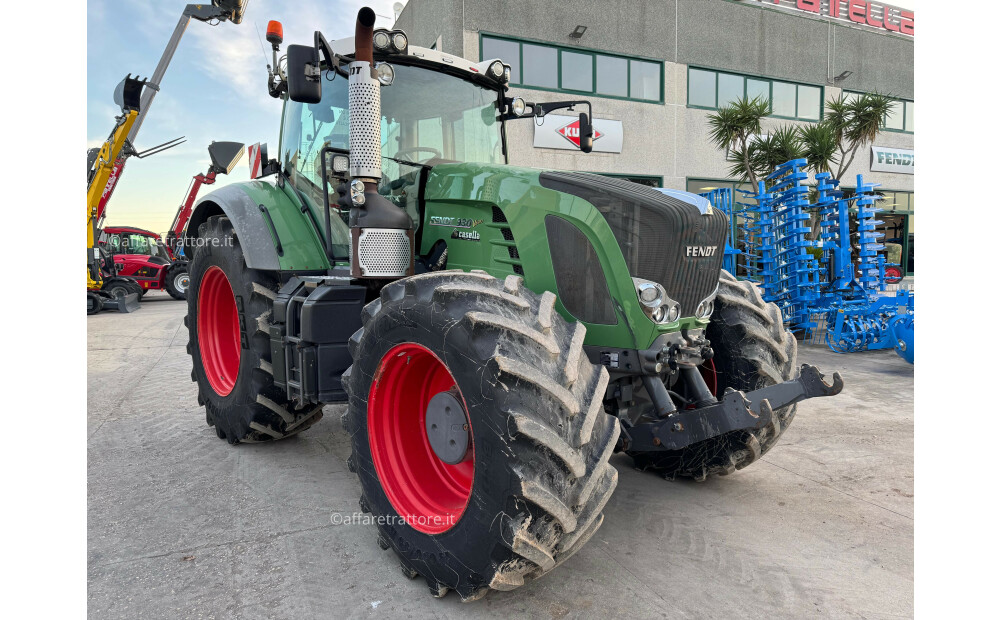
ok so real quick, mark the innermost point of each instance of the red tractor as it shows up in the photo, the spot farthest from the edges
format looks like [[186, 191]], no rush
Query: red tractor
[[141, 255]]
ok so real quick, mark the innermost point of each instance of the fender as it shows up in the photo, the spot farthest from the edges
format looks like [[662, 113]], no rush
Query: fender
[[273, 231]]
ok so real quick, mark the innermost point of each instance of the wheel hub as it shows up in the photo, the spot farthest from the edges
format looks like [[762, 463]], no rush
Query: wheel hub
[[447, 430], [181, 282]]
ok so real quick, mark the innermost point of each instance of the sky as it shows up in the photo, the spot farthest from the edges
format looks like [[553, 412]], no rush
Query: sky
[[214, 89]]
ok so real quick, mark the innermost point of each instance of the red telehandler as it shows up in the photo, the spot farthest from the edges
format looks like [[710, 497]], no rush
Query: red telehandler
[[224, 157], [140, 255]]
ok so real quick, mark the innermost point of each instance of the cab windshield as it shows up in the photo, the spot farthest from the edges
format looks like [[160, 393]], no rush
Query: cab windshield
[[427, 118]]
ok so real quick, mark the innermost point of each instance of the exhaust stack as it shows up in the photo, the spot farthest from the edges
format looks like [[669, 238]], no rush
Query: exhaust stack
[[381, 232]]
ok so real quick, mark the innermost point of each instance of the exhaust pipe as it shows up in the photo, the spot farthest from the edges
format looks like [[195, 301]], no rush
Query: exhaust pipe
[[381, 232]]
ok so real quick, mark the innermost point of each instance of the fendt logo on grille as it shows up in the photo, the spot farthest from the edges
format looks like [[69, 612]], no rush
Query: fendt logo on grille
[[701, 250]]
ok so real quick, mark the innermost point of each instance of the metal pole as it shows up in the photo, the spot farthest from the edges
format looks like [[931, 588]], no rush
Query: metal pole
[[161, 68]]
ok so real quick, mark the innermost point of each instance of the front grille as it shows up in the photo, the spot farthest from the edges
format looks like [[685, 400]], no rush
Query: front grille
[[654, 232]]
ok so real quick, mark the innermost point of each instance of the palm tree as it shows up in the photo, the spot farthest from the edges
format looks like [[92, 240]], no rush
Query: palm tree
[[854, 123], [734, 128], [819, 146], [772, 150]]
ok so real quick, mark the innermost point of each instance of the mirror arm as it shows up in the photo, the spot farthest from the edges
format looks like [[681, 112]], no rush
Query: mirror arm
[[539, 110], [333, 61]]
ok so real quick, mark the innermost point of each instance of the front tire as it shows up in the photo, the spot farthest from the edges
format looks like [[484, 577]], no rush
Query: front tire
[[177, 280], [229, 309], [752, 350], [535, 477]]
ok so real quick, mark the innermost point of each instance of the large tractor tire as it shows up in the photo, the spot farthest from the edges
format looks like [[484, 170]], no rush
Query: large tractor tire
[[177, 280], [462, 368], [229, 308], [752, 350]]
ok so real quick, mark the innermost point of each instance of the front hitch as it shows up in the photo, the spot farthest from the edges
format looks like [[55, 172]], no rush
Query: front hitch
[[736, 411]]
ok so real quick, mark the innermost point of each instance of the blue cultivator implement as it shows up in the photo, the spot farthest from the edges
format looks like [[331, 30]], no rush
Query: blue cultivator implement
[[722, 199], [849, 291]]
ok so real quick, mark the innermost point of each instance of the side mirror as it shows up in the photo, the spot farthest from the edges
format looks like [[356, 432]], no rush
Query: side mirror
[[586, 133], [304, 85]]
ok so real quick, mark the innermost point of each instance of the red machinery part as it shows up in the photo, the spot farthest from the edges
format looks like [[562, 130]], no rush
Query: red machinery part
[[430, 494], [218, 331]]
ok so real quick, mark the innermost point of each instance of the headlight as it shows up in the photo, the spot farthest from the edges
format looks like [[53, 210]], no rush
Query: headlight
[[382, 40], [385, 73], [650, 294], [657, 305], [506, 74], [357, 192], [705, 309], [674, 313], [517, 106], [399, 41], [707, 305], [341, 163], [496, 69]]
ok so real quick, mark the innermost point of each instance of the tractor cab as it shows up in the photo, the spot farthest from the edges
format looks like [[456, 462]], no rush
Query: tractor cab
[[435, 109]]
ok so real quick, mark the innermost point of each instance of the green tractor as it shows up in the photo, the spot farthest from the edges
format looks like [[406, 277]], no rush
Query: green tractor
[[496, 332]]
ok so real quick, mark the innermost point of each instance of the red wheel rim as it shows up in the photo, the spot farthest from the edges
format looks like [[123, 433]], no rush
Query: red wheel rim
[[218, 331], [893, 275], [428, 493], [707, 370]]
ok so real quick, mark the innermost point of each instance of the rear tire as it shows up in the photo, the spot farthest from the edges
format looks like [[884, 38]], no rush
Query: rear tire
[[752, 350], [233, 368], [536, 475], [94, 303], [177, 280]]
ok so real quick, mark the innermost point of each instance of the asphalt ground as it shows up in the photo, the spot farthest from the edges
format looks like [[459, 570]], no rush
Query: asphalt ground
[[183, 525]]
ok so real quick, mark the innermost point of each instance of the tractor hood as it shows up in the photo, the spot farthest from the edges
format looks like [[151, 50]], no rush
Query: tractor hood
[[663, 238], [583, 236]]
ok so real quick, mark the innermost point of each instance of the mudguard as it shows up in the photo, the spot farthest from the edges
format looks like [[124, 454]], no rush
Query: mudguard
[[273, 231]]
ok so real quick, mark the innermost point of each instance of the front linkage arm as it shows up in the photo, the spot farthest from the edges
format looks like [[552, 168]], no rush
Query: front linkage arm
[[736, 411]]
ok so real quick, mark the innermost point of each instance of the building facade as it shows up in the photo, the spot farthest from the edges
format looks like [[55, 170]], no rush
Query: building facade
[[655, 69]]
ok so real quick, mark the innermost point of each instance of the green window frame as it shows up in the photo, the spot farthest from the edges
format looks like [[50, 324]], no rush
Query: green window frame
[[907, 109], [631, 61], [758, 80]]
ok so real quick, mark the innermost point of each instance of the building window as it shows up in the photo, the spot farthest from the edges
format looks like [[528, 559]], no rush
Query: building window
[[717, 89], [554, 67], [899, 118], [641, 179]]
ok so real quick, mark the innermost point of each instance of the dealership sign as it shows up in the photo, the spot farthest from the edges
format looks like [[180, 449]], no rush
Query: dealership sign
[[557, 131], [892, 160], [856, 12]]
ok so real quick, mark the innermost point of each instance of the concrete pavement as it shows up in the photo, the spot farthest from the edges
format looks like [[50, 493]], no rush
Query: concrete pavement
[[182, 525]]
